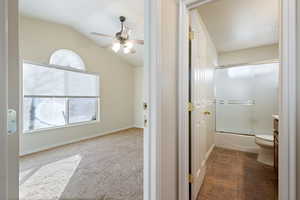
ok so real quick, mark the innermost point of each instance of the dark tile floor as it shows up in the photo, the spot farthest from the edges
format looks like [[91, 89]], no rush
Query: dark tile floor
[[234, 175]]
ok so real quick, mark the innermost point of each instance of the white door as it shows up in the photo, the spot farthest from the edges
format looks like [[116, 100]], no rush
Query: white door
[[3, 104], [202, 99]]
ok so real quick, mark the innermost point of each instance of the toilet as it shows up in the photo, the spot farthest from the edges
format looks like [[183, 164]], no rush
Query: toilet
[[266, 152]]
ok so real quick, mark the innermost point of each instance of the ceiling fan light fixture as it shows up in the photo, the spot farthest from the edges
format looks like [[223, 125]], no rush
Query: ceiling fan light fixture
[[129, 45], [116, 46], [121, 39], [126, 50]]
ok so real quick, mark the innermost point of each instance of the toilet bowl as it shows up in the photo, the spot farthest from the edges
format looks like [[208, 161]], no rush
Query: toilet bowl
[[266, 152]]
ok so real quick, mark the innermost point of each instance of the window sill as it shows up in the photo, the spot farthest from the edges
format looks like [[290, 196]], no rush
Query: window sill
[[61, 127]]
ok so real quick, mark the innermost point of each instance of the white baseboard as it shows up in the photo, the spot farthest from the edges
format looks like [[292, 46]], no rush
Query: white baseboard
[[209, 152], [200, 175], [138, 126], [74, 141]]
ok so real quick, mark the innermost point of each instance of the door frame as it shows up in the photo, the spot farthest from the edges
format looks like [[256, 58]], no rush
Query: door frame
[[287, 110], [152, 133], [3, 100]]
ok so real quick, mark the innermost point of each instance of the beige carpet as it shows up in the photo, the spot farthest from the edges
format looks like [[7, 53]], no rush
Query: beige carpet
[[105, 168]]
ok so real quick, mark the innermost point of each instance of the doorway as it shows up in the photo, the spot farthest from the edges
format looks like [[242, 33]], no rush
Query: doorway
[[183, 60], [15, 99]]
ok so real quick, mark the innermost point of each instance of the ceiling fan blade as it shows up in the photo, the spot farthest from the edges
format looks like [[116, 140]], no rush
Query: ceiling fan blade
[[137, 41], [102, 35]]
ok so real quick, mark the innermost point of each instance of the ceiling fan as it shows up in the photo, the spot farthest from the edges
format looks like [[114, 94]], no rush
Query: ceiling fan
[[121, 40]]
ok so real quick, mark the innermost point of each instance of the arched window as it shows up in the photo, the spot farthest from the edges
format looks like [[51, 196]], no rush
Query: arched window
[[67, 58]]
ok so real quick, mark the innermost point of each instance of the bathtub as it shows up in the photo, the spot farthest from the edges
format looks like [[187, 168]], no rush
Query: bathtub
[[238, 142]]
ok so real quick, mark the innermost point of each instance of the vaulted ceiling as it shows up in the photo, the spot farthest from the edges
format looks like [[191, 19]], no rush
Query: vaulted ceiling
[[93, 16], [232, 24], [241, 24]]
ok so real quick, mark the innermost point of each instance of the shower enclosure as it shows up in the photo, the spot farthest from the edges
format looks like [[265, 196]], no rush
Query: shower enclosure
[[246, 98]]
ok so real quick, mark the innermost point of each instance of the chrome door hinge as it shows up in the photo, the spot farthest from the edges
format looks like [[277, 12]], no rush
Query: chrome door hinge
[[191, 107], [191, 35], [191, 179]]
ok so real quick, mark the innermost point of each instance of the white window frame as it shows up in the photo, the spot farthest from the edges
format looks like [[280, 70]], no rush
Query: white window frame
[[72, 52], [63, 97], [287, 114]]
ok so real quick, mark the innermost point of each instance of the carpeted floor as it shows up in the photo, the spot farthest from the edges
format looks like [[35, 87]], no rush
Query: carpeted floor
[[235, 175], [104, 168]]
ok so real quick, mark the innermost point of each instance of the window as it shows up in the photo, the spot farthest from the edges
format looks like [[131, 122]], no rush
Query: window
[[67, 58], [55, 97]]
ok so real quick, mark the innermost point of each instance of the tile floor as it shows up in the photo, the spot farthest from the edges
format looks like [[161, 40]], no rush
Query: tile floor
[[234, 175]]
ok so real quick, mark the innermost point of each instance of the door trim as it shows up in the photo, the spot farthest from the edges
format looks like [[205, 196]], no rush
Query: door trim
[[3, 99], [152, 134], [288, 99], [287, 146]]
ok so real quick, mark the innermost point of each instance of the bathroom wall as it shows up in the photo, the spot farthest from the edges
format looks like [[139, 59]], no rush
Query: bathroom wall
[[258, 54]]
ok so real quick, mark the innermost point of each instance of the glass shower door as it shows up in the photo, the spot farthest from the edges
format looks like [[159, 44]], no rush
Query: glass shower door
[[235, 100], [246, 98]]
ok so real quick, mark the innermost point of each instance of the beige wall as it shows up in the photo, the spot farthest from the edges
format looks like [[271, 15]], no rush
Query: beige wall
[[257, 54], [38, 39], [138, 97]]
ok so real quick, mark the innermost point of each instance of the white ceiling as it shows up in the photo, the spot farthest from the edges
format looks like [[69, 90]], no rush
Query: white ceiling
[[93, 16], [241, 24]]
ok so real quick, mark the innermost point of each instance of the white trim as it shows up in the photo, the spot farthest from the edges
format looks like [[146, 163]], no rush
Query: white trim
[[3, 100], [138, 126], [64, 68], [183, 88], [287, 114], [287, 146], [47, 147], [207, 155], [60, 97], [153, 133], [43, 130]]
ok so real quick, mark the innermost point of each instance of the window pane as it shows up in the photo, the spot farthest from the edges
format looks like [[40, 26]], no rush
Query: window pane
[[44, 113], [67, 58], [82, 110], [48, 81]]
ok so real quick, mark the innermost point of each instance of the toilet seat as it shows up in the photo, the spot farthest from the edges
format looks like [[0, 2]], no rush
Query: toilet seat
[[265, 140]]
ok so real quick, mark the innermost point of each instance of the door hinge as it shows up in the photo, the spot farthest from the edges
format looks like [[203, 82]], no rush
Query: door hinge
[[191, 35], [145, 123], [191, 179], [145, 106], [191, 107]]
